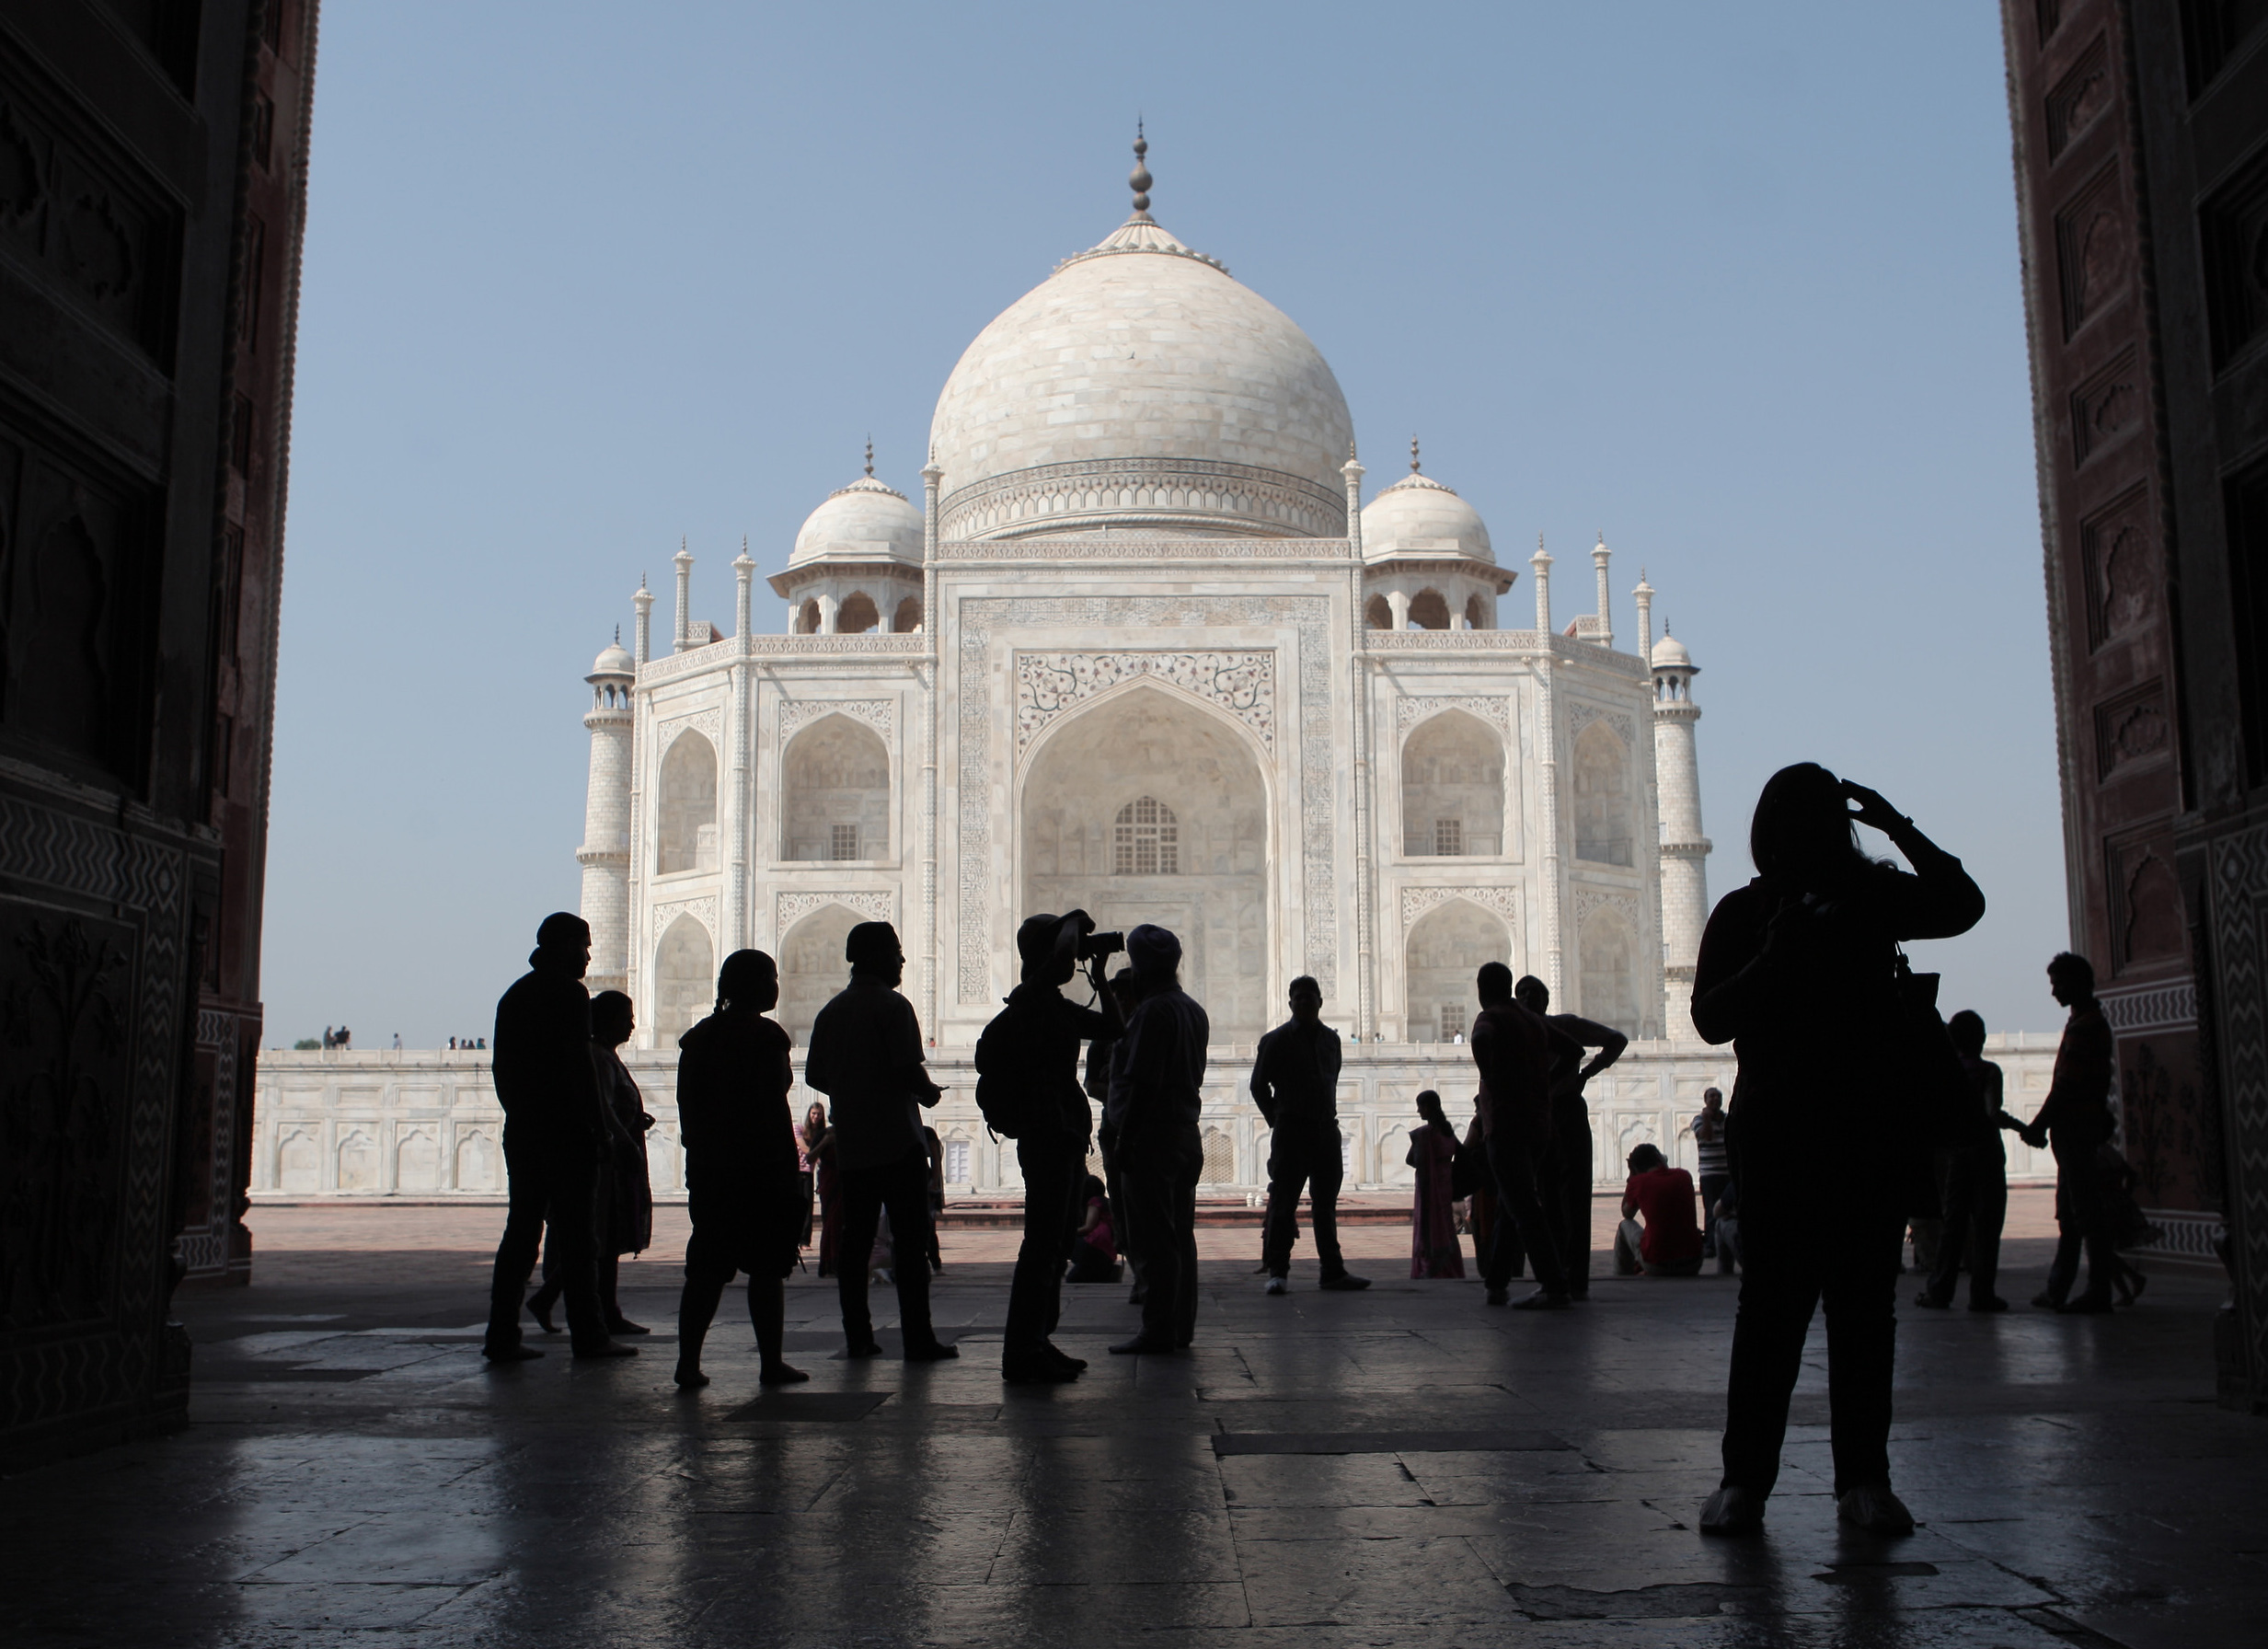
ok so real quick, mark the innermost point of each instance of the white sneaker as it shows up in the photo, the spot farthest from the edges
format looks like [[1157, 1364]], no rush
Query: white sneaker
[[1872, 1507], [1277, 1285]]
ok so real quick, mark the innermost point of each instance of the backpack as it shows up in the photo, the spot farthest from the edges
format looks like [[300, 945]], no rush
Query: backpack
[[1001, 1090]]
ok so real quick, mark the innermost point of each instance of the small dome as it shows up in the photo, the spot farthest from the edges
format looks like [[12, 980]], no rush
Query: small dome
[[863, 522], [1419, 517], [1669, 653], [615, 660]]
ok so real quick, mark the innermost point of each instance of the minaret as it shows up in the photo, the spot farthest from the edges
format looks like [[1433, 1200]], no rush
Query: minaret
[[643, 600], [606, 852], [1541, 562], [683, 558], [1605, 636], [1643, 596], [1685, 850]]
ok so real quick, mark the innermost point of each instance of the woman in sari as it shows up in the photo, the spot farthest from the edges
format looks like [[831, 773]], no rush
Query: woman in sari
[[1434, 1251]]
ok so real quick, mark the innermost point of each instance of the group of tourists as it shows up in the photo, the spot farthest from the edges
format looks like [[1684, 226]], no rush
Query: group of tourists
[[1842, 1060]]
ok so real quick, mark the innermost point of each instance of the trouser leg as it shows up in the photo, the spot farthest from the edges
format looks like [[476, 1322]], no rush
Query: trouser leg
[[573, 1215], [1779, 1288], [906, 1193], [696, 1302], [1035, 1292], [2070, 1234], [548, 1296], [1859, 1289], [768, 1314], [609, 1284], [1185, 1235], [1570, 1175], [1630, 1255], [1517, 1201], [860, 1195], [1149, 1199], [1325, 1174], [1960, 1211], [529, 1193], [1989, 1214], [1712, 1187], [1287, 1176]]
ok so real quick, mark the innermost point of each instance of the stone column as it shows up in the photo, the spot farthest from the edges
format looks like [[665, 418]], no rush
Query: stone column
[[1606, 606], [683, 558], [643, 601], [1643, 596], [1397, 603]]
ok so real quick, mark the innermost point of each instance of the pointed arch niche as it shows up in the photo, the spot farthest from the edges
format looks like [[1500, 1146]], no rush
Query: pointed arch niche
[[1604, 834], [1442, 954], [1609, 976], [1152, 754], [1453, 788], [684, 983], [687, 837], [812, 969], [834, 784]]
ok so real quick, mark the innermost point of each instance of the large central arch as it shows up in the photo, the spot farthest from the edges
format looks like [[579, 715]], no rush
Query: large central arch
[[1136, 764]]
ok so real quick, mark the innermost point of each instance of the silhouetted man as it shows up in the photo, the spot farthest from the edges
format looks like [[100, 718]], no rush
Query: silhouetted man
[[555, 1131], [1030, 1055], [1709, 1139], [2076, 1118], [1154, 1104], [866, 1055], [1295, 1085], [1564, 1178], [1512, 1049], [1976, 1181]]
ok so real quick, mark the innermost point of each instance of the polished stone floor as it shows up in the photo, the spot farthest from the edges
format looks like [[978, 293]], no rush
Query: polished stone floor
[[1404, 1466]]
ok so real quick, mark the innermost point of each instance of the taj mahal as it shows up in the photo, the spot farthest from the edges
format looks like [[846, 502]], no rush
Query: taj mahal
[[1141, 647]]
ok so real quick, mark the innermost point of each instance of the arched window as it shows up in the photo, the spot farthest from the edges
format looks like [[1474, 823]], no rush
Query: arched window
[[1609, 975], [1429, 611], [1443, 953], [836, 779], [858, 616], [812, 970], [1149, 839], [907, 619], [1603, 833], [1453, 788], [1378, 614], [807, 618], [1476, 615], [682, 983], [687, 837]]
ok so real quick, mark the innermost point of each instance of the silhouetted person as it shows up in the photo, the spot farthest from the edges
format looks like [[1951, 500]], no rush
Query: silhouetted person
[[1513, 1049], [625, 1183], [1094, 1250], [1154, 1104], [555, 1132], [1434, 1251], [807, 1138], [1797, 971], [1295, 1084], [1564, 1182], [2076, 1120], [1030, 1055], [741, 1178], [866, 1057], [1707, 1130], [1101, 1059], [1977, 1182], [1657, 1234]]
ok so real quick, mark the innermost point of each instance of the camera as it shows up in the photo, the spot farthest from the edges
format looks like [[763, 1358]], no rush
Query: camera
[[1077, 940]]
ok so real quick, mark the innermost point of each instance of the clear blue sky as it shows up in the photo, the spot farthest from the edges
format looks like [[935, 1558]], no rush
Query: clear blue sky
[[1736, 283]]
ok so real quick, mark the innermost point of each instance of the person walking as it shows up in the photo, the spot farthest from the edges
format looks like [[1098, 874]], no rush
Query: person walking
[[866, 1057], [1027, 1060], [1707, 1130], [1155, 1101], [1434, 1251], [625, 1181], [2076, 1119], [1295, 1084], [734, 1075], [1512, 1049], [555, 1131], [1798, 970], [1977, 1182], [1566, 1176]]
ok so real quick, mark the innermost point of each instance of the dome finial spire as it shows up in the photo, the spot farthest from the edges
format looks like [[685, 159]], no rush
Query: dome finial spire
[[869, 455], [1414, 454], [1140, 176]]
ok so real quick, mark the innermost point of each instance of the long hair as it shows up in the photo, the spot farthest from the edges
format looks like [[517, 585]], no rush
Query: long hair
[[1802, 832]]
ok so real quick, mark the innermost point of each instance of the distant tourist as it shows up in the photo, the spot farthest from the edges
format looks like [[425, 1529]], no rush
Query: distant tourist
[[1434, 1251], [1567, 1173], [866, 1057], [1707, 1130], [1798, 970], [626, 1186], [452, 1042], [330, 1039], [555, 1131], [397, 1042], [733, 1076], [1977, 1182], [1155, 1099], [1295, 1084], [1512, 1047], [346, 1037], [1657, 1234], [1094, 1252], [807, 1138], [2076, 1120]]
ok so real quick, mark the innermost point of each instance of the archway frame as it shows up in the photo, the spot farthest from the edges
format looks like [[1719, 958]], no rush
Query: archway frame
[[1507, 738], [1509, 914], [898, 810]]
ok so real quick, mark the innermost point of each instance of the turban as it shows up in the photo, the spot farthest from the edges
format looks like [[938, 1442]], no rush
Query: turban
[[1153, 950]]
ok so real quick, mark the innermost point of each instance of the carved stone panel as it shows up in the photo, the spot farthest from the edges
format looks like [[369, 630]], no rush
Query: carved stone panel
[[788, 910], [2118, 554], [2106, 409], [796, 714], [2131, 730], [1493, 709], [2094, 249], [1242, 683], [2079, 99]]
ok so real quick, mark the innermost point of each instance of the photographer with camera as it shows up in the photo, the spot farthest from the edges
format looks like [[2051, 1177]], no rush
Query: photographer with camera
[[1027, 1087], [1156, 1086]]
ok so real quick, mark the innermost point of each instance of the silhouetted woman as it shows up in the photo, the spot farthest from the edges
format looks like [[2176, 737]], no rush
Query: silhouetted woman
[[733, 1082], [1797, 971], [1434, 1251], [625, 1216], [807, 1138]]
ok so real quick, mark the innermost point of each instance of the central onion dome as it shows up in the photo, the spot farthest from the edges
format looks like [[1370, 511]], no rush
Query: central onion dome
[[1140, 387]]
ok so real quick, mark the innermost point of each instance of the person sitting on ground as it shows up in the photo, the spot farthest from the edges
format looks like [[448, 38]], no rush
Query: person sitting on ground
[[1668, 1243], [733, 1080], [1094, 1255], [1434, 1251], [1295, 1084]]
